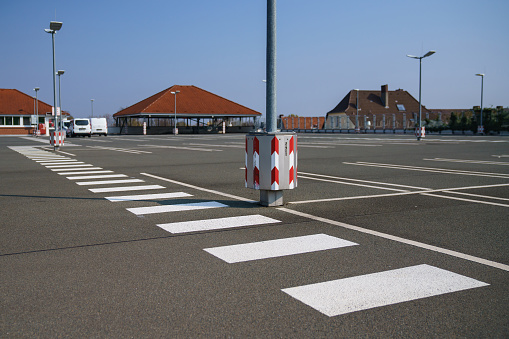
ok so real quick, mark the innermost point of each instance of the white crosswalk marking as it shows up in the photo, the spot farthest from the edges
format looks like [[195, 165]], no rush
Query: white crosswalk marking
[[176, 208], [278, 248], [80, 164], [87, 172], [126, 188], [149, 196], [77, 169], [216, 224], [97, 176], [108, 182], [363, 292]]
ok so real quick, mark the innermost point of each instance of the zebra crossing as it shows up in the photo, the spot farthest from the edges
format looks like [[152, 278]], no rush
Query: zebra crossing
[[331, 298]]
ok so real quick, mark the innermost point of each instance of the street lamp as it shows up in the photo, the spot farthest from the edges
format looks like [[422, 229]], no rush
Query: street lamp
[[92, 105], [175, 132], [54, 26], [419, 134], [480, 129], [37, 110], [357, 129], [59, 73]]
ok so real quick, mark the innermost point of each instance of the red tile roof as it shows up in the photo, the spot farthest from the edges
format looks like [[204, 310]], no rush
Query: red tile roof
[[191, 101], [14, 102], [370, 102]]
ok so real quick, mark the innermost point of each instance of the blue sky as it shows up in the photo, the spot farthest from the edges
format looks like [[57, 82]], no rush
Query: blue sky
[[120, 52]]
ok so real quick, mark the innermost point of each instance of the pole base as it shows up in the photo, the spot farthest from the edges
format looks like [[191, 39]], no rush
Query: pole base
[[271, 198]]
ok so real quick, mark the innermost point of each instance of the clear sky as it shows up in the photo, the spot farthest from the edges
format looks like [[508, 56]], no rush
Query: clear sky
[[120, 52]]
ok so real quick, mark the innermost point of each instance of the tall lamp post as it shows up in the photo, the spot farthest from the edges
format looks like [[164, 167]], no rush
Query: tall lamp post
[[92, 106], [54, 26], [420, 133], [175, 132], [480, 129], [36, 110], [59, 73], [357, 128]]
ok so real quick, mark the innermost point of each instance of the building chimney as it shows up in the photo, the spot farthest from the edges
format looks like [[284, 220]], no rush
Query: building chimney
[[385, 96]]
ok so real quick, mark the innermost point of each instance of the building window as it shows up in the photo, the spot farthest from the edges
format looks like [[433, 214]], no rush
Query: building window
[[2, 121], [8, 121], [15, 121], [401, 107], [26, 121], [42, 120]]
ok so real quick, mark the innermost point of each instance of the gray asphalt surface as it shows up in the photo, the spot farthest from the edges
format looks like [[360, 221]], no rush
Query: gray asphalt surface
[[73, 264]]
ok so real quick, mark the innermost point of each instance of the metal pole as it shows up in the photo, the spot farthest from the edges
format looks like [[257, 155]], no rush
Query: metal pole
[[420, 108], [54, 86], [37, 109], [60, 101], [175, 119], [482, 88], [271, 67], [92, 104], [357, 129]]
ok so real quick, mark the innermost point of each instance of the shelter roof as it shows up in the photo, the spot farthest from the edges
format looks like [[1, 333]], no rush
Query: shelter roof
[[14, 102], [191, 101]]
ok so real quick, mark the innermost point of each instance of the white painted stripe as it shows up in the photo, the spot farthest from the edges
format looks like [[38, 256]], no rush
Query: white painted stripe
[[278, 248], [149, 196], [97, 176], [107, 182], [52, 158], [81, 164], [59, 160], [184, 148], [429, 169], [76, 169], [364, 292], [126, 188], [175, 208], [216, 224], [483, 162], [85, 172], [61, 163], [400, 240]]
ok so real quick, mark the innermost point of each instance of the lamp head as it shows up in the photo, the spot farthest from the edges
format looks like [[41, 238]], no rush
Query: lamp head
[[36, 89], [480, 74], [428, 54], [55, 25], [60, 72]]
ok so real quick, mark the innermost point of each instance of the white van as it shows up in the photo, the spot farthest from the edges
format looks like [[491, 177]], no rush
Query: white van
[[99, 126], [79, 127]]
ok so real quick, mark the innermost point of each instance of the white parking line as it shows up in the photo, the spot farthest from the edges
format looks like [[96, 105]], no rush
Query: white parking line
[[483, 162], [216, 224], [429, 169], [107, 182], [176, 208], [184, 148], [126, 188], [399, 239], [149, 196], [368, 291], [278, 248]]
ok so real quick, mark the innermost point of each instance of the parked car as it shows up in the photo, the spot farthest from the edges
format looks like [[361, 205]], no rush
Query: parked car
[[79, 127]]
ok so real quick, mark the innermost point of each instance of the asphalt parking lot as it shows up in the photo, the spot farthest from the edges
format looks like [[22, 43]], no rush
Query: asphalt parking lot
[[156, 236]]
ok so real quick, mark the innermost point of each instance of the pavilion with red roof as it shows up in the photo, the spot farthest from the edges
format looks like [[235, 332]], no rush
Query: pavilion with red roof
[[195, 110]]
